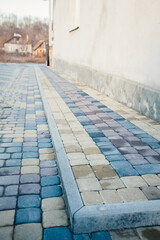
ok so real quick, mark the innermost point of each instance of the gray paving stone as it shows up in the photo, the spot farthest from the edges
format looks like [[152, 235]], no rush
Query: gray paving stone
[[4, 156], [29, 178], [31, 231], [151, 193], [1, 190], [9, 180], [11, 190], [127, 234], [6, 233], [110, 196], [49, 171], [2, 163], [29, 189], [149, 233], [9, 171], [7, 203]]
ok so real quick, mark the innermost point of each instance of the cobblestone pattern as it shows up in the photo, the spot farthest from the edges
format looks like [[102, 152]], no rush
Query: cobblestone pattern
[[115, 160], [32, 206]]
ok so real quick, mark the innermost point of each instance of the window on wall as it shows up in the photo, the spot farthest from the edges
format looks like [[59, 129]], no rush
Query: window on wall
[[74, 14]]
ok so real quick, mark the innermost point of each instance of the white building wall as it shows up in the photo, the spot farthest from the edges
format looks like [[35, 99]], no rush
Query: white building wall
[[115, 50]]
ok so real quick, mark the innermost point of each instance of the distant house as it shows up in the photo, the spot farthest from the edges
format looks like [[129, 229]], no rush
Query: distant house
[[39, 50], [18, 44]]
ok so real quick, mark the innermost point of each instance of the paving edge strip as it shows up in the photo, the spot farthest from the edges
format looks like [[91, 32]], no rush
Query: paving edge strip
[[85, 219]]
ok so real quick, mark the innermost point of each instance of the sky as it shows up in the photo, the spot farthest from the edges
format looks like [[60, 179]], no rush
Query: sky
[[21, 8]]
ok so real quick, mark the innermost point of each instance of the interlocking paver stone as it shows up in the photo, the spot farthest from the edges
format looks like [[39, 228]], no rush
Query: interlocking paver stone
[[11, 190], [7, 203], [32, 231], [151, 193], [28, 215], [6, 233], [29, 178], [29, 189], [29, 201], [56, 233], [51, 191]]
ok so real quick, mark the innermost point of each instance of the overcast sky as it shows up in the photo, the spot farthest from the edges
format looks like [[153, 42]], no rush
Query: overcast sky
[[35, 8]]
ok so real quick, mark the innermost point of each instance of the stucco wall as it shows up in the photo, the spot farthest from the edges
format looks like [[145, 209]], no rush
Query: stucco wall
[[115, 50]]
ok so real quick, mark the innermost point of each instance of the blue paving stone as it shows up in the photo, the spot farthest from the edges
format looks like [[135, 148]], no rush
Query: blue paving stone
[[96, 134], [124, 168], [30, 144], [57, 233], [17, 155], [7, 203], [30, 188], [44, 140], [45, 145], [51, 191], [30, 149], [148, 169], [81, 237], [149, 140], [110, 151], [13, 163], [9, 171], [29, 201], [49, 171], [11, 190], [30, 155], [117, 157], [101, 236], [50, 181], [101, 140], [4, 156], [28, 215], [6, 140], [154, 145], [11, 144], [14, 150]]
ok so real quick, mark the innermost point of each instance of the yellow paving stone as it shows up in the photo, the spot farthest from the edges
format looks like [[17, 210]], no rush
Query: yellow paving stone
[[29, 231], [56, 203], [91, 150], [84, 171], [46, 156], [131, 194], [17, 139], [30, 162], [79, 162], [88, 184], [152, 179], [29, 169], [7, 218], [134, 181], [110, 196], [73, 148], [92, 198], [54, 218], [30, 116], [45, 150], [112, 183]]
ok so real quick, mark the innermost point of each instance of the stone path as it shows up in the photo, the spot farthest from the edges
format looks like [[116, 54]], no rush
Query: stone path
[[31, 195]]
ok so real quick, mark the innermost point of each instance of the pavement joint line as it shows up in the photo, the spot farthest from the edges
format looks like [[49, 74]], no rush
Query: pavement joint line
[[86, 219]]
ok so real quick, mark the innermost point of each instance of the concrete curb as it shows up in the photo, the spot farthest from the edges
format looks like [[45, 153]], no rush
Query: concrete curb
[[85, 219]]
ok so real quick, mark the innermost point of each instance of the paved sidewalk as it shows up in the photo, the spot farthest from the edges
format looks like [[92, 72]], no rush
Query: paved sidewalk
[[113, 161]]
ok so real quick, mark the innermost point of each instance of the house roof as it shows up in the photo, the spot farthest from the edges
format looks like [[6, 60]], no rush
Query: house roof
[[38, 44], [19, 37]]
